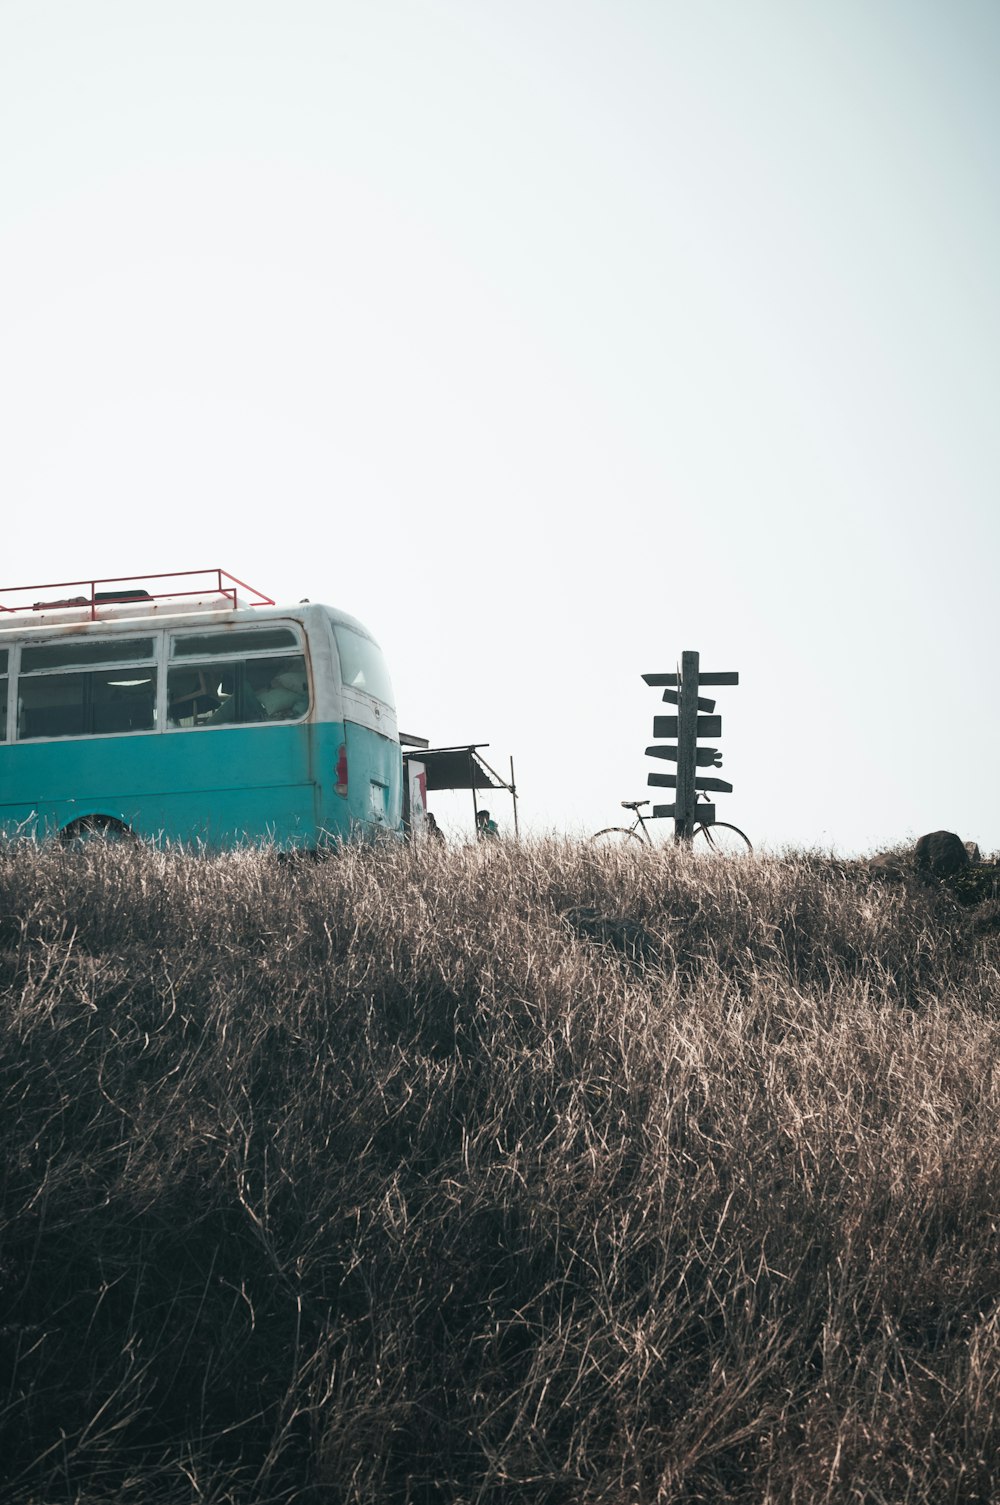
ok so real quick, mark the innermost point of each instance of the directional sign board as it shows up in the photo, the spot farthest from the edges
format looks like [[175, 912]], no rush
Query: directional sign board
[[705, 757], [658, 680], [704, 814], [673, 697], [705, 726], [669, 781]]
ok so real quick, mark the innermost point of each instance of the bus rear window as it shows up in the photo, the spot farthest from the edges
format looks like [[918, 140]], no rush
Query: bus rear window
[[362, 666]]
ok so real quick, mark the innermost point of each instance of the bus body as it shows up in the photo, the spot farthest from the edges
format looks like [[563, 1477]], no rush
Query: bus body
[[180, 721]]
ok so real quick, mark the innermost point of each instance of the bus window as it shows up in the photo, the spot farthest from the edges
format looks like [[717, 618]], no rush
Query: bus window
[[285, 695], [255, 640], [362, 666], [68, 655], [3, 694], [83, 702], [51, 706], [235, 692]]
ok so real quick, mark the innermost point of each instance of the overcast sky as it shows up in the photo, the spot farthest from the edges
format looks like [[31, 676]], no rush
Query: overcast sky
[[551, 340]]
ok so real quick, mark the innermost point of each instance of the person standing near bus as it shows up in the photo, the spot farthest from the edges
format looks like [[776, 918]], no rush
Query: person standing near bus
[[486, 829]]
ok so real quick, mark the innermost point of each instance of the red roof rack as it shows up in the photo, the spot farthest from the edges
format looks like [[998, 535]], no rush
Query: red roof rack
[[94, 594]]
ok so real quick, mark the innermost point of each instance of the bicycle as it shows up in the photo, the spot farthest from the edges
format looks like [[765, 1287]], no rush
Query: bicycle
[[717, 837]]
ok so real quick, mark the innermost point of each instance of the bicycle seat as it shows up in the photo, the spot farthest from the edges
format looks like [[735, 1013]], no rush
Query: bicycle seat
[[633, 804]]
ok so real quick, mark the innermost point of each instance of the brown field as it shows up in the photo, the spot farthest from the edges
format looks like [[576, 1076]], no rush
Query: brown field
[[380, 1180]]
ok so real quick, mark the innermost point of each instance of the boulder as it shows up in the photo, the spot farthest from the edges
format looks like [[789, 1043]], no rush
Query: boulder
[[941, 854], [893, 866]]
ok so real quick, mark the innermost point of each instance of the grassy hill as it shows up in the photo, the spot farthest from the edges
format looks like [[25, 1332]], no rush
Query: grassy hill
[[534, 1174]]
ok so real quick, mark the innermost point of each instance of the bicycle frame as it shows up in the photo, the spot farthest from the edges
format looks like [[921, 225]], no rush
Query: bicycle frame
[[702, 831]]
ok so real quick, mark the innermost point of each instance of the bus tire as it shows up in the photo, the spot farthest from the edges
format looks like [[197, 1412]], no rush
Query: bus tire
[[89, 828]]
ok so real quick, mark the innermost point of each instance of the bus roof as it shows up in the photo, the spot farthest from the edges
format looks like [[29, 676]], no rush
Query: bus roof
[[129, 596], [126, 609]]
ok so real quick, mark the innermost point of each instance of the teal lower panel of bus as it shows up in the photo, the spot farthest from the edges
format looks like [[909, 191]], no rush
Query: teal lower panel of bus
[[223, 786], [374, 799]]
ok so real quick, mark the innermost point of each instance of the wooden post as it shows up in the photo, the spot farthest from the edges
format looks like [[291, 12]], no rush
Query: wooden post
[[687, 748]]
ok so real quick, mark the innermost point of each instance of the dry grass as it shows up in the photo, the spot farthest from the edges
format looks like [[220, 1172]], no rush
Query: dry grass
[[384, 1180]]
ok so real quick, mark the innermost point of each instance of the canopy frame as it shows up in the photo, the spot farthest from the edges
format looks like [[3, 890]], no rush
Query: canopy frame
[[464, 767]]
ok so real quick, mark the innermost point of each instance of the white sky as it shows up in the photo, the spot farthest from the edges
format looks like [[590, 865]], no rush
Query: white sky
[[550, 338]]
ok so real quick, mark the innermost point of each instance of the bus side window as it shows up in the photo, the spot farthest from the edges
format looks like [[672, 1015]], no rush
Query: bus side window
[[238, 704], [71, 687], [239, 692], [281, 687], [92, 703], [123, 701], [51, 706], [192, 694]]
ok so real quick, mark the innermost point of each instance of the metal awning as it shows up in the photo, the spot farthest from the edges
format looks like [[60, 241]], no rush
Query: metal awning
[[462, 768], [458, 768]]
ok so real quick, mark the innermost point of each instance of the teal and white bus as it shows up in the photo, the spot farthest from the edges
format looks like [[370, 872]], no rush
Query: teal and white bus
[[191, 708]]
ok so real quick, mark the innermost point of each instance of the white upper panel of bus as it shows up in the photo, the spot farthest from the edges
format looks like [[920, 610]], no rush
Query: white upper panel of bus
[[346, 661], [125, 615]]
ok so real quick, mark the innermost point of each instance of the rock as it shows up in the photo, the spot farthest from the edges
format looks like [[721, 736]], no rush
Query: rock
[[975, 855], [892, 866], [941, 854]]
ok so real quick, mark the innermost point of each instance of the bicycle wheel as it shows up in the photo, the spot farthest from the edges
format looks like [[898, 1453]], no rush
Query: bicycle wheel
[[722, 840], [616, 836]]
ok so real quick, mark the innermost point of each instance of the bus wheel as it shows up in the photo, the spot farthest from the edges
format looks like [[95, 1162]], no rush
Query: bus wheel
[[89, 828]]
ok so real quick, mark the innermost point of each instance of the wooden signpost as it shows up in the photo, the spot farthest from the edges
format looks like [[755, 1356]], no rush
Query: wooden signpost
[[681, 689]]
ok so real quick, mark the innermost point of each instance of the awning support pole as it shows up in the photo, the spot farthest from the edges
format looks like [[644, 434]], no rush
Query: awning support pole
[[475, 805]]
